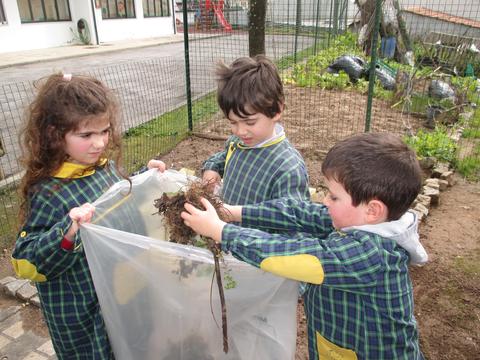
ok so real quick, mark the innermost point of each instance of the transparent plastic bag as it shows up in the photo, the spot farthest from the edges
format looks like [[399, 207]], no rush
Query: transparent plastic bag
[[157, 297]]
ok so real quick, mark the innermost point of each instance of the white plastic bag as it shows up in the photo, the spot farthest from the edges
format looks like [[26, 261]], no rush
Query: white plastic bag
[[157, 297]]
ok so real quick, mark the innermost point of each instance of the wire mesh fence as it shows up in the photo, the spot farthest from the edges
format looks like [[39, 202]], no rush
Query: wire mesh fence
[[425, 61]]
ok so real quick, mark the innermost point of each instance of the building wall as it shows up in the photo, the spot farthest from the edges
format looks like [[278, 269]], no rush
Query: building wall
[[420, 26], [15, 36], [140, 27]]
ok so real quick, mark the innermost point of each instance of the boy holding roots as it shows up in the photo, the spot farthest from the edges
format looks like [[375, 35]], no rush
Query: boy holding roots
[[353, 252]]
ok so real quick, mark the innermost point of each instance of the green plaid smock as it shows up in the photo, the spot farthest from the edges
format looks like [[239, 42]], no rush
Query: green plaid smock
[[359, 300], [253, 175], [64, 283]]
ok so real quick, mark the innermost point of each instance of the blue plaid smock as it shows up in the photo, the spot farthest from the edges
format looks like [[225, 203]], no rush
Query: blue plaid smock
[[63, 280], [253, 175], [359, 300]]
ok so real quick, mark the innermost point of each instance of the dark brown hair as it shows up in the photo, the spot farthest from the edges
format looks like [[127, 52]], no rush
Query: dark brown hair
[[63, 103], [248, 86], [376, 166]]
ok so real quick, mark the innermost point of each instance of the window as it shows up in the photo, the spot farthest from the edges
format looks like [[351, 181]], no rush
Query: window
[[44, 10], [118, 9], [155, 8], [3, 19]]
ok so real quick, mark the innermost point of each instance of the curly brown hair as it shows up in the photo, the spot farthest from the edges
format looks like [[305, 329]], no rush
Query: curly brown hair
[[63, 103]]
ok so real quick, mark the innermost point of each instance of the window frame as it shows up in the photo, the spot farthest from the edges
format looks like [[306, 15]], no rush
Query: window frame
[[3, 16], [105, 6], [161, 12], [57, 13]]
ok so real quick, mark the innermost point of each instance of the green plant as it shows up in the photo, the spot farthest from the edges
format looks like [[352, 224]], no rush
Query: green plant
[[472, 126], [469, 166], [162, 133], [434, 143]]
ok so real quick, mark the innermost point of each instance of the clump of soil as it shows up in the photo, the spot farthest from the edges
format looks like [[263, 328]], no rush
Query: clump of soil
[[170, 206]]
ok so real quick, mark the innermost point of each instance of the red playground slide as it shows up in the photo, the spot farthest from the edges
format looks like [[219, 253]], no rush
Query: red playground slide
[[217, 7], [221, 19]]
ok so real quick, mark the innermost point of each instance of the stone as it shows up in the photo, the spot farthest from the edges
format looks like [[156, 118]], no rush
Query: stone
[[439, 169], [443, 184], [35, 301], [424, 200], [26, 292], [12, 287], [9, 311], [422, 209], [448, 176], [433, 183], [6, 280], [434, 194]]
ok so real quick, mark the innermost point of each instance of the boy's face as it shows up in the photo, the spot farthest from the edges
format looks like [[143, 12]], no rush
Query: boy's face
[[340, 207], [254, 129]]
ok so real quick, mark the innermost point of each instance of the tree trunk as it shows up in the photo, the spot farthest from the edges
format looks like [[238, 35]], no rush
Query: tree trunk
[[256, 24], [367, 16], [402, 27]]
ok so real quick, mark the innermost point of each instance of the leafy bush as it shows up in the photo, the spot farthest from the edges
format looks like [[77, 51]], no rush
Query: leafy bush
[[435, 144]]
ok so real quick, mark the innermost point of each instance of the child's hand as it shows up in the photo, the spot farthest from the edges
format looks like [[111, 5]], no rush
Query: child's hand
[[156, 164], [79, 215], [212, 178], [206, 223]]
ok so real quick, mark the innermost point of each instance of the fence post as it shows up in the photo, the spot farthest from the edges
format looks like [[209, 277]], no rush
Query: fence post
[[373, 64], [317, 15], [298, 23], [187, 66]]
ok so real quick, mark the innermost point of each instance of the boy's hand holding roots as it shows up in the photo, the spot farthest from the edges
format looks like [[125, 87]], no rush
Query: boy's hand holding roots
[[205, 215], [208, 223]]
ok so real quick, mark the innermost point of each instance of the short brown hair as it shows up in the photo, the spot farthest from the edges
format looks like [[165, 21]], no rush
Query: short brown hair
[[248, 86], [376, 166]]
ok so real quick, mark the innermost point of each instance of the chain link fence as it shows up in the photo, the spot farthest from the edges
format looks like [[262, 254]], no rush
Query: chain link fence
[[419, 76]]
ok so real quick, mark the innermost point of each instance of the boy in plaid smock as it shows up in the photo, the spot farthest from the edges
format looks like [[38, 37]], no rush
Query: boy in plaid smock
[[353, 251], [71, 131], [258, 162]]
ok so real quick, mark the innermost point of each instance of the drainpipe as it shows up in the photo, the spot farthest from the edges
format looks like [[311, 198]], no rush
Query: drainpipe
[[92, 2]]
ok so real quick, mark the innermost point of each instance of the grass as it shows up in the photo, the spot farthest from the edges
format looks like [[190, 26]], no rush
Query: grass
[[469, 166], [9, 201], [162, 133], [468, 160]]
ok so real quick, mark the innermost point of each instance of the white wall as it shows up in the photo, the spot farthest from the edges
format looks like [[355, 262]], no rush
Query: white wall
[[140, 27], [15, 36]]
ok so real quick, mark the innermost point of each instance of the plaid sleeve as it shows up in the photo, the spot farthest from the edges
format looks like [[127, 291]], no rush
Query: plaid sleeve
[[216, 162], [39, 240], [288, 214], [347, 261], [292, 184]]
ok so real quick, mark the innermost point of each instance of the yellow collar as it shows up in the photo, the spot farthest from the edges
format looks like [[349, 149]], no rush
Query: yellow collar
[[270, 143], [70, 170]]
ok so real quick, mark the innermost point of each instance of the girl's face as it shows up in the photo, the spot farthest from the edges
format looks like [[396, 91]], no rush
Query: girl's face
[[86, 144], [340, 208]]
